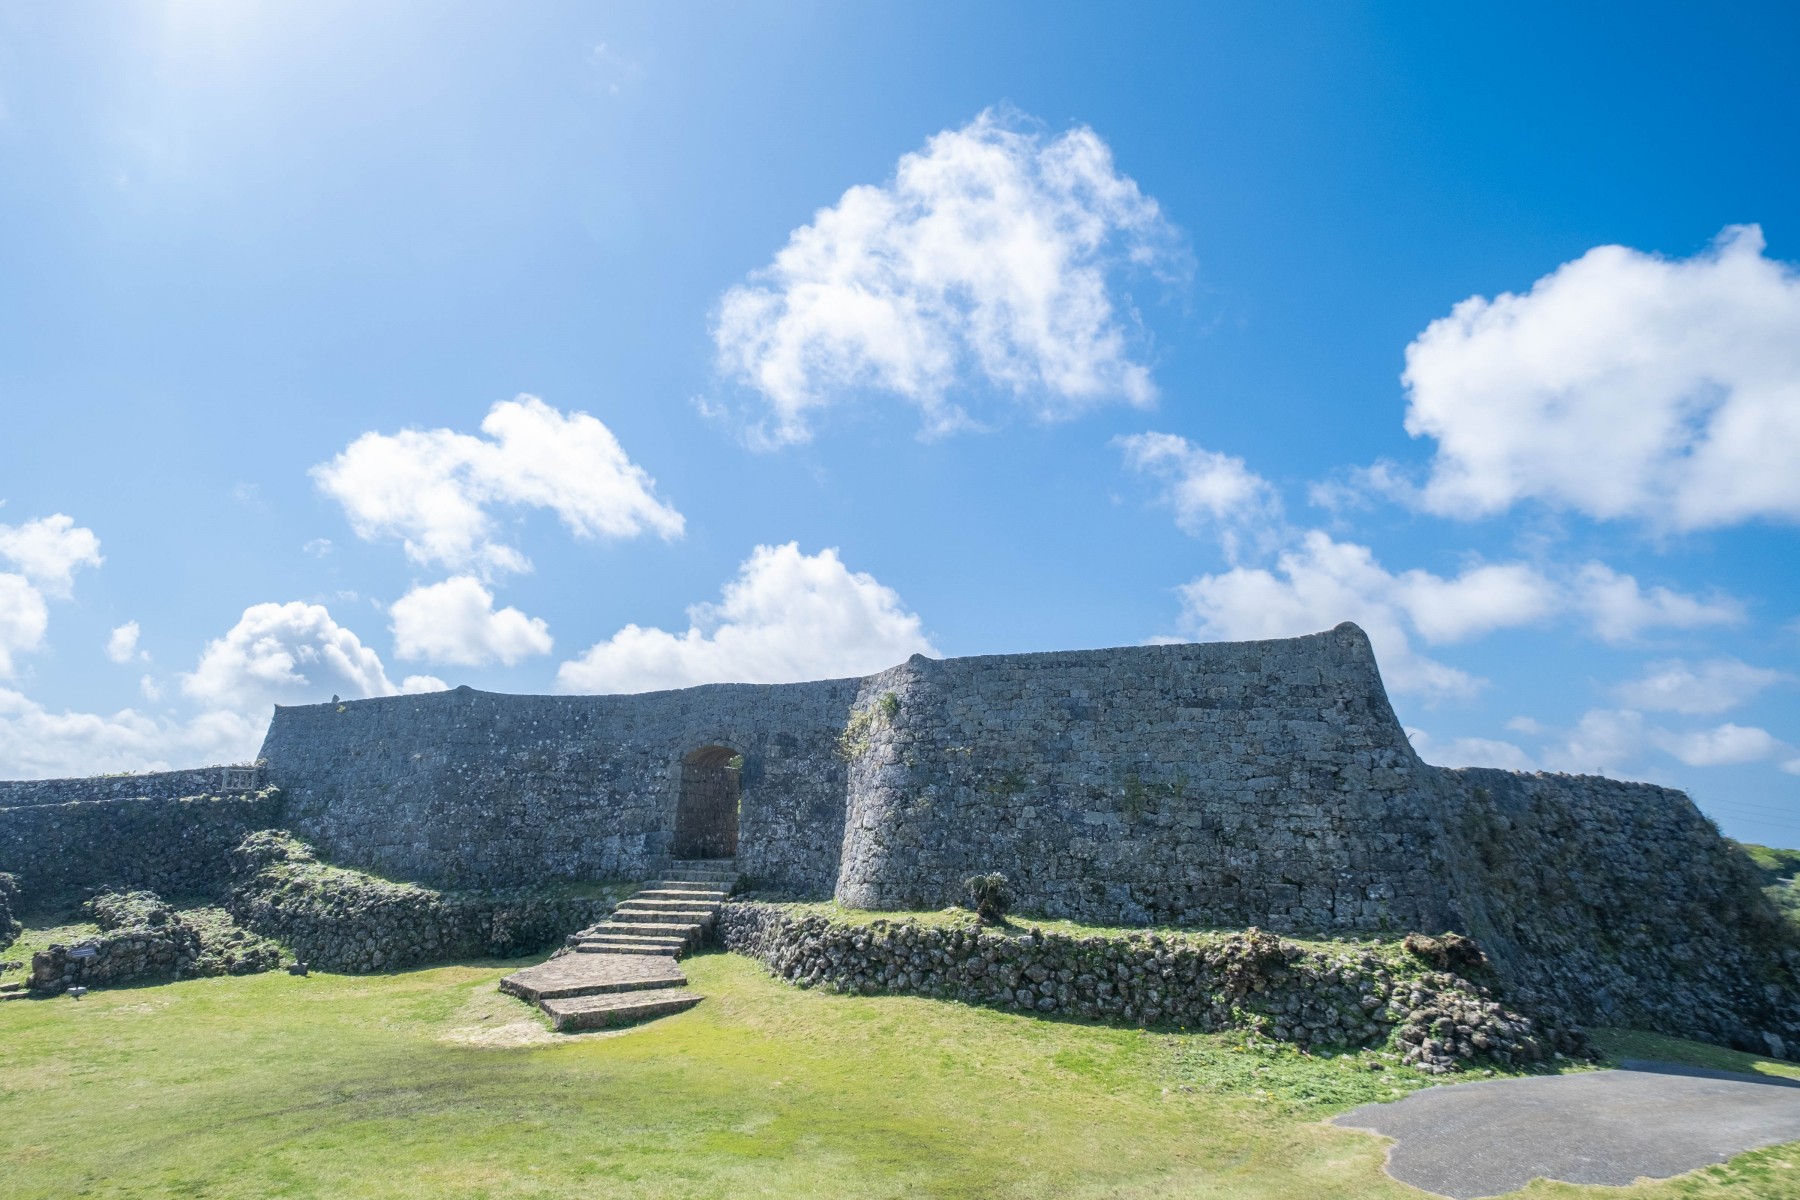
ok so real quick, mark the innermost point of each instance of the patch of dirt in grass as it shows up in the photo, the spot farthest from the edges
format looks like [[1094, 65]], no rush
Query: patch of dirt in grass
[[492, 1018]]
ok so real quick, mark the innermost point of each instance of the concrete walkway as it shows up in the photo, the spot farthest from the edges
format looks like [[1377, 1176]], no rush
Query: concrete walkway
[[1601, 1127]]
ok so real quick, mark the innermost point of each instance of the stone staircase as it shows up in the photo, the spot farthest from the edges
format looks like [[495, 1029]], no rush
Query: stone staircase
[[671, 916], [623, 969]]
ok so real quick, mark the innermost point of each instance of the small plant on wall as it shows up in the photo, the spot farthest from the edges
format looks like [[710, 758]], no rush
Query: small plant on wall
[[991, 896]]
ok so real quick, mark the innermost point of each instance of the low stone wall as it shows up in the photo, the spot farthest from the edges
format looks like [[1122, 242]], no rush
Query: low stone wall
[[173, 846], [152, 785], [342, 920], [144, 939], [1346, 994], [9, 925]]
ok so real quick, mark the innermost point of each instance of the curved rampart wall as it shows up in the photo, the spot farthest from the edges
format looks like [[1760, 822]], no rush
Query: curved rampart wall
[[473, 789], [1244, 783]]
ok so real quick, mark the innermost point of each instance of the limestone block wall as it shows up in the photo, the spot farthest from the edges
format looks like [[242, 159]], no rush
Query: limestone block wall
[[472, 789], [1229, 784], [152, 785], [178, 846], [1618, 902]]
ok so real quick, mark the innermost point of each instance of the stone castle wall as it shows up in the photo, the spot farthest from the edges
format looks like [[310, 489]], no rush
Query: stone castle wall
[[474, 790], [178, 846], [1227, 784], [1232, 784], [151, 785]]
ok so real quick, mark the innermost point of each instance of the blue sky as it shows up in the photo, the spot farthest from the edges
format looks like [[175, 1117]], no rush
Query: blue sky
[[606, 347]]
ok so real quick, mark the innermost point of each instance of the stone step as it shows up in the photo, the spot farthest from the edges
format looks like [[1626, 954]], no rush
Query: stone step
[[597, 1012], [628, 939], [586, 975], [612, 947], [705, 864], [628, 914], [675, 902], [654, 929], [697, 895]]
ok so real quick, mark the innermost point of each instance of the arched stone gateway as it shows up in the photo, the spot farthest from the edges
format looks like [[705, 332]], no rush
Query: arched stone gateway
[[706, 815]]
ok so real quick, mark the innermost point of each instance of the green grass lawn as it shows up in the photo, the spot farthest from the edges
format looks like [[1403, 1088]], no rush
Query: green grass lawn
[[428, 1083]]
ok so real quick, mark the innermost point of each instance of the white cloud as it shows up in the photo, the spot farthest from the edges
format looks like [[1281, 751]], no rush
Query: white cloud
[[37, 743], [455, 622], [24, 618], [1710, 687], [1470, 752], [1621, 385], [318, 547], [1207, 490], [48, 551], [412, 685], [787, 616], [1321, 582], [1603, 742], [1726, 745], [1620, 610], [1480, 600], [433, 488], [985, 260], [151, 689], [122, 646], [290, 653]]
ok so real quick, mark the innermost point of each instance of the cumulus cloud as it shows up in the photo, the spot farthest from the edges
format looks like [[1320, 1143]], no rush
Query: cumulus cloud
[[455, 622], [121, 647], [37, 743], [49, 550], [412, 685], [1622, 385], [787, 616], [1321, 582], [290, 653], [434, 488], [1700, 689], [1620, 610], [24, 618], [1470, 752], [1725, 745], [1209, 491], [986, 260]]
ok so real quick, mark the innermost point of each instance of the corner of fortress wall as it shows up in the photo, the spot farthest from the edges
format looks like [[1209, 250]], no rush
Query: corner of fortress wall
[[1205, 784]]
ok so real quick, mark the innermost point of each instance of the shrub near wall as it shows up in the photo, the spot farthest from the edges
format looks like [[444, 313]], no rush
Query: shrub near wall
[[342, 920], [1346, 994]]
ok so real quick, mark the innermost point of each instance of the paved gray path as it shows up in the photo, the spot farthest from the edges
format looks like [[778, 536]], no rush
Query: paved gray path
[[1607, 1127]]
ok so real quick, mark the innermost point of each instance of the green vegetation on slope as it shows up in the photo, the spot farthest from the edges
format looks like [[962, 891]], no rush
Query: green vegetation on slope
[[429, 1084], [1781, 876]]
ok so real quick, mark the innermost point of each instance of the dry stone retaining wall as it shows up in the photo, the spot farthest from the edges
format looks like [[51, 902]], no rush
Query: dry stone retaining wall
[[341, 920], [175, 846], [151, 785], [1348, 994], [144, 939]]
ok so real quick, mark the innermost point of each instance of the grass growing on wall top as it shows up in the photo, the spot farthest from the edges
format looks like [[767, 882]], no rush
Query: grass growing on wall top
[[429, 1084]]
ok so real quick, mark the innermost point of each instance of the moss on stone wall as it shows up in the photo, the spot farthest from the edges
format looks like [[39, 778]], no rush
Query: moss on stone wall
[[143, 938], [337, 919]]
